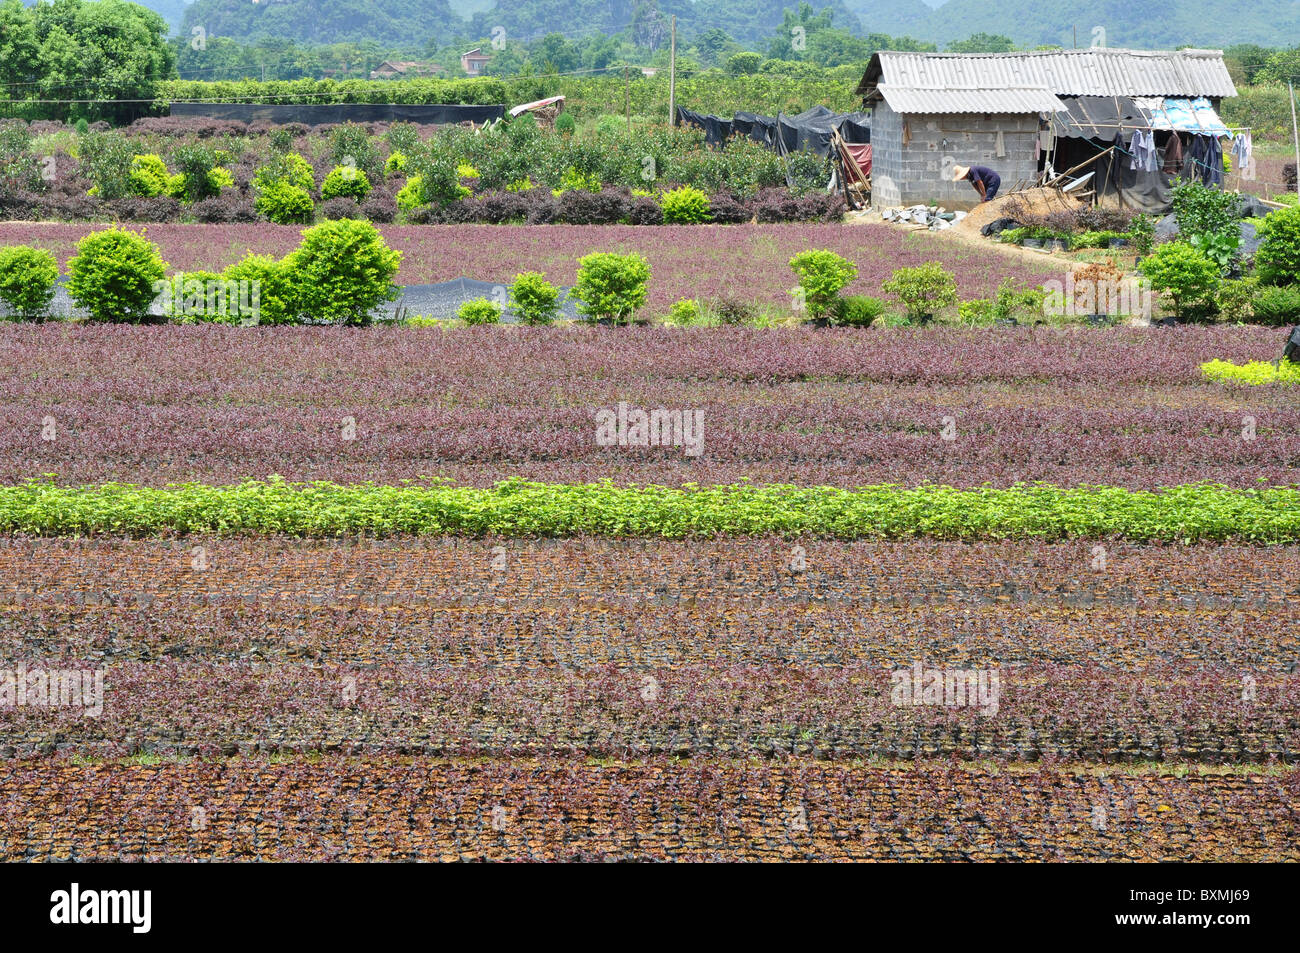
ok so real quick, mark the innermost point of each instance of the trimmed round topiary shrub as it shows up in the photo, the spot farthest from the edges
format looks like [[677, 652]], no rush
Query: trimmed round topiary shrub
[[114, 275], [611, 286], [341, 272], [27, 280], [685, 206], [345, 182], [479, 311], [285, 204], [534, 299]]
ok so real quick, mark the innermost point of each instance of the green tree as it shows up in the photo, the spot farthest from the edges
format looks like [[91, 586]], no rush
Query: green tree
[[983, 43], [107, 50]]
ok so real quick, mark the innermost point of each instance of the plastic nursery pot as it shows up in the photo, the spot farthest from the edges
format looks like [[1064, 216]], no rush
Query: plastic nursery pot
[[1098, 320], [819, 322], [1007, 322], [1169, 321], [1118, 243], [1031, 242], [1057, 244]]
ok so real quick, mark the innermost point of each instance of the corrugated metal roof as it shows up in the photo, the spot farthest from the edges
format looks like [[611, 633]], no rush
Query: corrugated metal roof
[[1091, 72], [913, 99]]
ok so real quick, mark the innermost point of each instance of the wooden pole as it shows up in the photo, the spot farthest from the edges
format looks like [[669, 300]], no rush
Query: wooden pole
[[672, 77], [627, 98], [1295, 134]]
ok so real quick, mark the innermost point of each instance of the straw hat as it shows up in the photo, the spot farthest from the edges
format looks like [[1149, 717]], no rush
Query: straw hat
[[959, 172]]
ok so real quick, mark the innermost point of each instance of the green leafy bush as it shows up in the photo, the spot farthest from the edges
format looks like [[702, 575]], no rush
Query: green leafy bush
[[611, 286], [18, 167], [1254, 373], [106, 159], [565, 124], [1202, 210], [291, 168], [396, 163], [857, 311], [1276, 305], [1142, 234], [345, 181], [744, 64], [1180, 271], [195, 163], [534, 299], [149, 176], [435, 179], [27, 279], [402, 137], [975, 312], [479, 311], [685, 206], [200, 296], [274, 289], [352, 146], [409, 196], [341, 272], [685, 313], [285, 204], [574, 180], [1278, 257], [1235, 300], [608, 126], [923, 290], [1220, 247], [281, 139], [113, 275], [822, 274]]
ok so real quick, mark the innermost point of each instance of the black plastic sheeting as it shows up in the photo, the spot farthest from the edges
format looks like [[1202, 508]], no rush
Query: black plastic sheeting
[[1096, 117], [810, 131], [319, 114], [442, 300]]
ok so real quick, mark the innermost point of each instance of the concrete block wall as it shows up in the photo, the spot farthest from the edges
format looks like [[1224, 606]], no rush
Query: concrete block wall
[[913, 174]]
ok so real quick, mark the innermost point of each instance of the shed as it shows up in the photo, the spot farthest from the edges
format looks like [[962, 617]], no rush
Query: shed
[[931, 111]]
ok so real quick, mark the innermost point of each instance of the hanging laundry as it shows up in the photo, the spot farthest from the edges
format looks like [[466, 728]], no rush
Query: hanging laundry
[[1204, 162], [1142, 148], [1214, 162], [1173, 154], [1000, 146], [1152, 154], [1241, 151]]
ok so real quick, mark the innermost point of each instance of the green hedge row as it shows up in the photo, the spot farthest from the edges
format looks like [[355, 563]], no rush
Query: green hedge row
[[586, 96], [1182, 514]]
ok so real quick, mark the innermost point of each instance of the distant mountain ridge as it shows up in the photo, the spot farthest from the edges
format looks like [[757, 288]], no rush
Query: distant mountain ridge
[[1142, 24]]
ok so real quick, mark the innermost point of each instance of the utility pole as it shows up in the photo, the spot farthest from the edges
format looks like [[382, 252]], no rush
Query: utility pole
[[1076, 35], [1295, 134], [672, 77], [627, 98]]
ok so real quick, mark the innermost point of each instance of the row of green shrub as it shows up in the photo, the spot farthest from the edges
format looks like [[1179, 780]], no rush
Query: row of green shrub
[[339, 273], [1184, 514], [585, 96]]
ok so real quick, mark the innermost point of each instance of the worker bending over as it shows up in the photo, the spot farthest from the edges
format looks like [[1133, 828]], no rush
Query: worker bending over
[[985, 180]]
